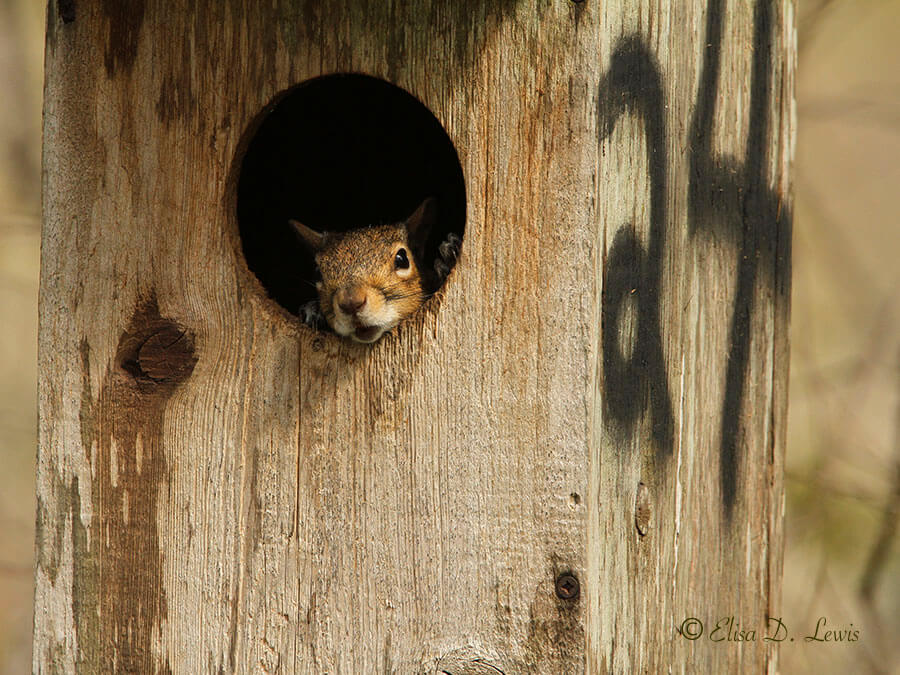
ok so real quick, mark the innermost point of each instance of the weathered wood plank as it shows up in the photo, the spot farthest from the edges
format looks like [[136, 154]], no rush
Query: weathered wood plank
[[697, 117], [254, 496]]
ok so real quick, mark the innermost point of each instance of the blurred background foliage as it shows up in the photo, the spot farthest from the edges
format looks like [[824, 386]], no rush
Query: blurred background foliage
[[21, 64], [842, 558], [843, 464]]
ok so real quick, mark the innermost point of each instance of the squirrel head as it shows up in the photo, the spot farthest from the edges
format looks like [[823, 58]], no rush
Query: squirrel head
[[371, 278]]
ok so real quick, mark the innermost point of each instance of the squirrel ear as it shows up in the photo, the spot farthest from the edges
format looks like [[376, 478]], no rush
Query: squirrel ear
[[312, 239], [422, 220]]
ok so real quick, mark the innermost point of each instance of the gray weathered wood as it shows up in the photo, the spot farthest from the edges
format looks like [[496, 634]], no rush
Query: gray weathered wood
[[221, 489]]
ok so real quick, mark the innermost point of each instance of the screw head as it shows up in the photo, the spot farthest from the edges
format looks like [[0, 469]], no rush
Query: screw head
[[567, 587]]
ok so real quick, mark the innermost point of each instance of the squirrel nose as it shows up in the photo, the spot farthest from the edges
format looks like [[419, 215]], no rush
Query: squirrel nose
[[351, 300]]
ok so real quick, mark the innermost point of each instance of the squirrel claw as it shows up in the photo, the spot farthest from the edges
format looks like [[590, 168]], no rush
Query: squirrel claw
[[310, 314], [448, 253]]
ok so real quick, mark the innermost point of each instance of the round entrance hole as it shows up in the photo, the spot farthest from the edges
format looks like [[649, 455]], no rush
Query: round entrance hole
[[337, 153]]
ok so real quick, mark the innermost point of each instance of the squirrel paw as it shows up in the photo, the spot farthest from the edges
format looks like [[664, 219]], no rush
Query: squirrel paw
[[310, 314], [448, 252]]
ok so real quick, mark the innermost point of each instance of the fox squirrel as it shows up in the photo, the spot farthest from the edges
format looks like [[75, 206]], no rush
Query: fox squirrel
[[373, 278]]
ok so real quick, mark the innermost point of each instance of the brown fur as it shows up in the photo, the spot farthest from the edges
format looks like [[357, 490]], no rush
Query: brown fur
[[364, 259], [363, 292]]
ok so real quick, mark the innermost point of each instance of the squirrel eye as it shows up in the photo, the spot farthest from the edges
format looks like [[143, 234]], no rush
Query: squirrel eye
[[401, 262]]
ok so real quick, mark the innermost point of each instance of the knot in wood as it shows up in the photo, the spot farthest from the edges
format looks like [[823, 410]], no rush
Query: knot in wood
[[467, 661], [155, 350], [167, 355]]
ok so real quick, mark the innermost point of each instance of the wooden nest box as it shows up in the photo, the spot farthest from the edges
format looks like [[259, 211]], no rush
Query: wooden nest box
[[571, 454]]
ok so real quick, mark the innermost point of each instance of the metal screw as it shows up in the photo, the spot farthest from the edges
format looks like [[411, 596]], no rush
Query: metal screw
[[567, 587]]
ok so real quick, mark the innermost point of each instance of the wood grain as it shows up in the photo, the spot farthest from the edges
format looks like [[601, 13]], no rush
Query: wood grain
[[257, 497]]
